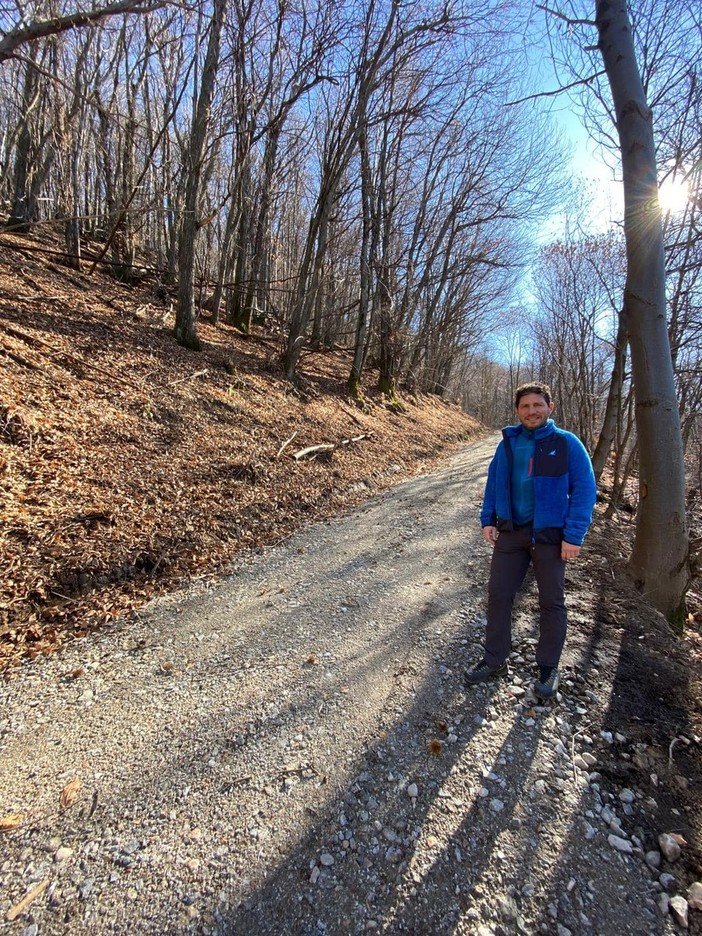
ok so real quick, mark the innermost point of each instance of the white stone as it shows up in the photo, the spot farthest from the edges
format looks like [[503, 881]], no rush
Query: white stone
[[626, 795], [694, 895], [326, 859], [678, 908], [413, 790]]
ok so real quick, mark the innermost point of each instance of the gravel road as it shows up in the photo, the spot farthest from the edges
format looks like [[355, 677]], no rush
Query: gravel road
[[292, 751]]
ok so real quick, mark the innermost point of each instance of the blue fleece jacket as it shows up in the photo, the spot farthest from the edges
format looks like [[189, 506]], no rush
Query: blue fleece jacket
[[564, 484]]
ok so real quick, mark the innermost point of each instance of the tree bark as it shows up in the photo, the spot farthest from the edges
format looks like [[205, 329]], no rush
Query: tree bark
[[660, 557], [185, 329], [613, 406]]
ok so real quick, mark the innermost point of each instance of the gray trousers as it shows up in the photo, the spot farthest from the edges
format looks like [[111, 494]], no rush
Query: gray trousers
[[511, 556]]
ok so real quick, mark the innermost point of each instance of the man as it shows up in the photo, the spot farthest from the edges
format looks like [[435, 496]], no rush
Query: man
[[538, 504]]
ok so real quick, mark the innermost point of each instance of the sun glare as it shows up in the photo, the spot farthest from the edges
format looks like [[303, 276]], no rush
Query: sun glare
[[673, 196]]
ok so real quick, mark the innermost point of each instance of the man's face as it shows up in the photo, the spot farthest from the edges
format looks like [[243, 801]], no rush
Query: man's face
[[533, 411]]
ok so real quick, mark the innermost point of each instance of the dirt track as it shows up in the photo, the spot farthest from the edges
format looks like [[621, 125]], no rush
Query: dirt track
[[293, 751]]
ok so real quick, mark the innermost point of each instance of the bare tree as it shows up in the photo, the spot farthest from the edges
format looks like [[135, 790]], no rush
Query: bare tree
[[185, 328], [659, 560]]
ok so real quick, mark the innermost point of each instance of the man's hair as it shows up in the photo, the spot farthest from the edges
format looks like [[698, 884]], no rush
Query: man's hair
[[541, 388]]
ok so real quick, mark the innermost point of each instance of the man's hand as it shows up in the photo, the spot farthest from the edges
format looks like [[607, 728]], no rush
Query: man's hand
[[490, 534], [568, 551]]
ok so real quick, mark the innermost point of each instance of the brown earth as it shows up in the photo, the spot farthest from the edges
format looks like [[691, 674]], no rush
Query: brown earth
[[129, 465]]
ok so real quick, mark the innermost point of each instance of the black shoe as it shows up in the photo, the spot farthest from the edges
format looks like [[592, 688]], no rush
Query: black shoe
[[482, 672], [546, 685]]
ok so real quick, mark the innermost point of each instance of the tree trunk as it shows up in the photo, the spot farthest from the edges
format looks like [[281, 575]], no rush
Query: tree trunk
[[660, 557], [185, 329], [364, 310], [22, 211], [614, 402]]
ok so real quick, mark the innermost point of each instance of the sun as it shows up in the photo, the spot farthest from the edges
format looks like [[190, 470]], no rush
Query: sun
[[673, 196]]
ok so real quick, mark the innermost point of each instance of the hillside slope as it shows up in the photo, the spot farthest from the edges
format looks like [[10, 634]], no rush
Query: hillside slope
[[128, 464]]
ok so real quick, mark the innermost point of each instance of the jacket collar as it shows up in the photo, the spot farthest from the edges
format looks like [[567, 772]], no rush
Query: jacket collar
[[511, 432]]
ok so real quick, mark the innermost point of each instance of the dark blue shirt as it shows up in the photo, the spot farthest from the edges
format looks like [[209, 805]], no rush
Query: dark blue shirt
[[523, 447]]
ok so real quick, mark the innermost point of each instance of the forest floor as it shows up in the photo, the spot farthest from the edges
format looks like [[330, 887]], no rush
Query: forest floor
[[139, 479], [128, 464]]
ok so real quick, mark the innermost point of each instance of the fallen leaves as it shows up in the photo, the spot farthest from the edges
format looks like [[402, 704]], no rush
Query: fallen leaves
[[120, 487], [11, 822], [68, 794]]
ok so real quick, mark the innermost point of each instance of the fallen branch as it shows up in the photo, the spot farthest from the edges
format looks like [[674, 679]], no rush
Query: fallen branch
[[357, 438], [19, 908], [200, 373], [285, 445], [328, 447], [313, 450]]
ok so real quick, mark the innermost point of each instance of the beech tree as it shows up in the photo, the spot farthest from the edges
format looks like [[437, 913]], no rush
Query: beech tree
[[659, 559]]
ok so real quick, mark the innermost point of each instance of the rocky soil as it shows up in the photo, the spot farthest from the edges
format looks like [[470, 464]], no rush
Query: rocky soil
[[291, 750]]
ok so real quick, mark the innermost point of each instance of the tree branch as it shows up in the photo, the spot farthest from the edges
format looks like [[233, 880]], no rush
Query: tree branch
[[567, 19], [39, 29], [557, 91]]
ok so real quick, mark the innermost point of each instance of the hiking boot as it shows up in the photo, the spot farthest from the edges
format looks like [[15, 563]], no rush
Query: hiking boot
[[482, 672], [546, 686]]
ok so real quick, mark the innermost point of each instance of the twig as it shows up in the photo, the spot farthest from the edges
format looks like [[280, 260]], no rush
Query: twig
[[357, 438], [672, 746], [557, 91], [61, 595], [571, 21], [199, 373], [20, 907], [285, 445]]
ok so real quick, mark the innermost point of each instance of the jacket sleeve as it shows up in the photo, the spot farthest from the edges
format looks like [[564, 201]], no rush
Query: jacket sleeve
[[582, 492], [488, 513]]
